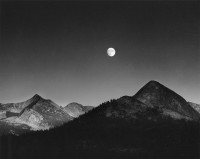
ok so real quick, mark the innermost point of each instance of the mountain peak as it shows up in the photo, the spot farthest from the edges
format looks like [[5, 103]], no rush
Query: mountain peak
[[150, 88], [155, 94], [153, 82], [36, 97]]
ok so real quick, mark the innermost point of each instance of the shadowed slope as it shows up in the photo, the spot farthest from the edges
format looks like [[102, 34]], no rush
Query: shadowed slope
[[155, 94]]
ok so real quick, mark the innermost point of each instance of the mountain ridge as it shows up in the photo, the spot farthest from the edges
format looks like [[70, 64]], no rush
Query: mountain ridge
[[155, 94], [153, 101], [37, 113]]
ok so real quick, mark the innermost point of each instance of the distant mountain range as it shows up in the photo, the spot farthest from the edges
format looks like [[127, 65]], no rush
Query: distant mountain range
[[156, 122], [38, 114], [76, 109]]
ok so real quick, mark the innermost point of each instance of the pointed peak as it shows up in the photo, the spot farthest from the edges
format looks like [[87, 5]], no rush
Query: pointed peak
[[153, 85], [155, 94], [152, 82], [36, 97], [149, 87]]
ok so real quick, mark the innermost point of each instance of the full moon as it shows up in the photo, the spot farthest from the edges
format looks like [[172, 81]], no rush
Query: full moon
[[111, 52]]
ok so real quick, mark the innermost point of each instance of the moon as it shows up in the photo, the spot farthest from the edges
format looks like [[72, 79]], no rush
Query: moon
[[111, 52]]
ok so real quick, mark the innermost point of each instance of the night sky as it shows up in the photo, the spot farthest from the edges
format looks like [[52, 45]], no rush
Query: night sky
[[58, 49]]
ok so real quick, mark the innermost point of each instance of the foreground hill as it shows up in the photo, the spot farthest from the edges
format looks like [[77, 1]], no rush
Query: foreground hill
[[129, 127]]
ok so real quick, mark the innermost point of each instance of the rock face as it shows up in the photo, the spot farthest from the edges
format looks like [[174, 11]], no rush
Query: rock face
[[37, 113], [154, 94], [18, 107], [33, 119], [76, 109], [45, 112], [195, 106]]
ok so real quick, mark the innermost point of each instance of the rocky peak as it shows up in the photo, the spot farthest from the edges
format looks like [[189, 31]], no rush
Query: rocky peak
[[151, 86], [36, 97], [155, 94]]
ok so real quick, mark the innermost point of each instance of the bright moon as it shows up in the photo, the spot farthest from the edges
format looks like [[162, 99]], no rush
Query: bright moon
[[111, 52]]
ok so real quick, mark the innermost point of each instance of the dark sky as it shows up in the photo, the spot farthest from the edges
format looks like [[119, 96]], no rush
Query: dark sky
[[58, 49]]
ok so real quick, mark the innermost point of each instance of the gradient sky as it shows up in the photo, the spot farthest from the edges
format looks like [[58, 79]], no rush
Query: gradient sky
[[58, 49]]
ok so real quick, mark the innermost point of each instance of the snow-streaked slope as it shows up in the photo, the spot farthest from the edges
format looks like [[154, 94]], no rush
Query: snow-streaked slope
[[37, 113], [44, 112]]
